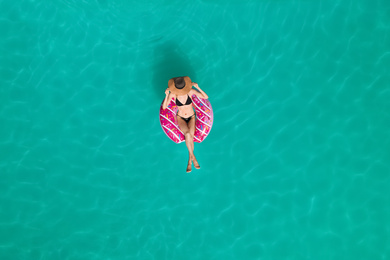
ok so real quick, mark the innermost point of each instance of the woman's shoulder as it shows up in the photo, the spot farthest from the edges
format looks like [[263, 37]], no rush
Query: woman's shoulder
[[191, 92]]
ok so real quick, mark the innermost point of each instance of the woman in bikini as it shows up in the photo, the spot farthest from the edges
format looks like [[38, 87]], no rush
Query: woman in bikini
[[181, 90]]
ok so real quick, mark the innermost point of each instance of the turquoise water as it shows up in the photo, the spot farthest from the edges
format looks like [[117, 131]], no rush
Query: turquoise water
[[297, 163]]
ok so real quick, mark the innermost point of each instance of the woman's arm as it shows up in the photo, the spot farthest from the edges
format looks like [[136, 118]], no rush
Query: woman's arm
[[168, 97], [200, 93]]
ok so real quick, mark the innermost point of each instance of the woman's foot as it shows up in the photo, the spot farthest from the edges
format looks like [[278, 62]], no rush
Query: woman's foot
[[189, 166], [196, 164]]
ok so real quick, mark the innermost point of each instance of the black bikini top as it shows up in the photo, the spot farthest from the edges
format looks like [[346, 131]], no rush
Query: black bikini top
[[189, 101]]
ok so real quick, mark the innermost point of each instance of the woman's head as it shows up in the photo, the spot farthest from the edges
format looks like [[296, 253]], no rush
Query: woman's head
[[179, 82], [180, 85]]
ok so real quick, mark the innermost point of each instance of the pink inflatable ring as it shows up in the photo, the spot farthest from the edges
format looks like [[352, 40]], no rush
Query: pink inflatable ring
[[203, 122]]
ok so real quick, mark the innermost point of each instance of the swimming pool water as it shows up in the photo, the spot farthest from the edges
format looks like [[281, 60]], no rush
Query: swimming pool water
[[297, 163]]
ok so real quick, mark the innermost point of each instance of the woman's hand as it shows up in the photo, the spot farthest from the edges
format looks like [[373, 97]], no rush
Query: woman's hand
[[167, 92], [200, 93]]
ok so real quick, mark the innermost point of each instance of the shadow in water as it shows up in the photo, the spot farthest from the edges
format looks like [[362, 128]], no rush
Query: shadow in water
[[169, 62]]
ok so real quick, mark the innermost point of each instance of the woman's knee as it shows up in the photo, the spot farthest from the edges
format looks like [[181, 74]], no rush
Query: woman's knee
[[188, 135]]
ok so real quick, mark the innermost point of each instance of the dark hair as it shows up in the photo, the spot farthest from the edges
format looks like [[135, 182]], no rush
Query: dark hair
[[179, 82]]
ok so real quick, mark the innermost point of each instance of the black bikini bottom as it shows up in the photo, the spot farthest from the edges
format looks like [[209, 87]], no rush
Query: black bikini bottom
[[187, 119]]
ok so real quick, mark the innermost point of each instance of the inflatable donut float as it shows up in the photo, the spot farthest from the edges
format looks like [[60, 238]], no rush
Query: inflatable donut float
[[203, 122]]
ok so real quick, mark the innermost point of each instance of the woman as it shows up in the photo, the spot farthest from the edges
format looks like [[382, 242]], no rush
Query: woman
[[181, 90]]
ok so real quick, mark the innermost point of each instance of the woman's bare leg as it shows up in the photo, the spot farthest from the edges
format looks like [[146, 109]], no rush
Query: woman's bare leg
[[189, 139], [191, 125]]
